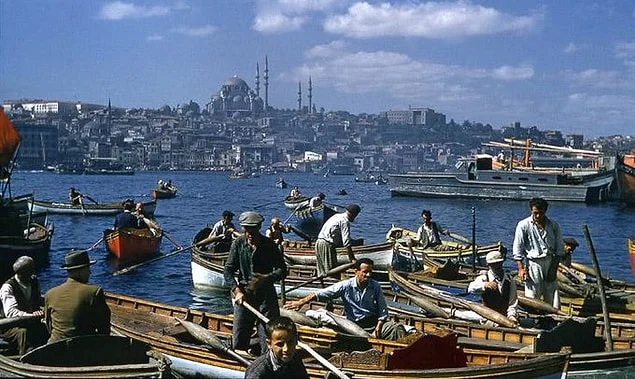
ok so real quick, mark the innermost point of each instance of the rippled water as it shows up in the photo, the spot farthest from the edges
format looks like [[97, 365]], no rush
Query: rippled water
[[202, 197]]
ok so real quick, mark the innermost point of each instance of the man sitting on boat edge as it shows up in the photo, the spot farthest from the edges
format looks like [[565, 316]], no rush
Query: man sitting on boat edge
[[127, 219], [363, 299], [497, 287]]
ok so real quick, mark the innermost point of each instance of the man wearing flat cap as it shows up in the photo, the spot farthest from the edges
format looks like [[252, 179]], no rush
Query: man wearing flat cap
[[76, 308], [497, 287], [336, 232], [253, 266], [21, 297]]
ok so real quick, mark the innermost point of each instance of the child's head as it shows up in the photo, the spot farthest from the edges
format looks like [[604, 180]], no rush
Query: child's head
[[282, 338]]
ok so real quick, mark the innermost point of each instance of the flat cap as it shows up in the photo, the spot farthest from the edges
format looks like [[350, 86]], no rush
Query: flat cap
[[354, 209], [23, 263], [494, 257], [571, 241], [250, 218]]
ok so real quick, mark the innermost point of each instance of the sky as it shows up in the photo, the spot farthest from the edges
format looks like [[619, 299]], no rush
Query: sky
[[564, 65]]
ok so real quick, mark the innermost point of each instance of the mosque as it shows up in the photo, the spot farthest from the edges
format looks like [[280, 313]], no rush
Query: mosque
[[236, 100]]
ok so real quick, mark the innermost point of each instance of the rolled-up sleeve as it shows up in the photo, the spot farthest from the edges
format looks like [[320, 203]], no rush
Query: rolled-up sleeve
[[512, 308], [519, 252], [477, 286], [9, 303], [330, 292]]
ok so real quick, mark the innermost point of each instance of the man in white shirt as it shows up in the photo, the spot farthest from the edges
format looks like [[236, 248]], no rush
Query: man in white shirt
[[538, 248], [335, 233], [20, 296], [497, 287]]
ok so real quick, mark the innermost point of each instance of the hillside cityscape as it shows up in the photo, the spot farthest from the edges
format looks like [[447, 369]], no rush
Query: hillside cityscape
[[239, 129]]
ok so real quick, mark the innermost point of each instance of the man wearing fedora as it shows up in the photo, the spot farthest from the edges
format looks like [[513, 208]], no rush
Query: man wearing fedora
[[497, 287], [336, 232], [76, 308], [21, 297], [253, 266]]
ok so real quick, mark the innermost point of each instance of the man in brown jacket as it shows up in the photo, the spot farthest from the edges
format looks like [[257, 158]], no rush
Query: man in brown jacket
[[75, 308]]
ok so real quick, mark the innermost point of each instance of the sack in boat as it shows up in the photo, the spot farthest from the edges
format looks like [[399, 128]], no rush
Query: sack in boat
[[552, 273]]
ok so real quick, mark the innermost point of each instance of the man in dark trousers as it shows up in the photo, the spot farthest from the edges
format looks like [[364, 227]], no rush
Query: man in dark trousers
[[20, 296], [253, 265], [76, 308]]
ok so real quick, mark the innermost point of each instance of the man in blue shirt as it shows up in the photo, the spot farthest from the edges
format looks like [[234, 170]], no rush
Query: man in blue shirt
[[363, 299]]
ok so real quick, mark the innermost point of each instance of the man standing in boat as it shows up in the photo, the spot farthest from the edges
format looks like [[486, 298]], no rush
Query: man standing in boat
[[336, 232], [253, 266], [497, 287], [538, 248]]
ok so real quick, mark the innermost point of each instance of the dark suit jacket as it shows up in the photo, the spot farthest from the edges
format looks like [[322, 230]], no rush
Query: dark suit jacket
[[74, 308], [127, 220]]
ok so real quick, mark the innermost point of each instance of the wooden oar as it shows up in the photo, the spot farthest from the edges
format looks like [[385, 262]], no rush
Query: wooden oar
[[265, 204], [12, 322], [303, 345], [426, 305], [605, 311], [208, 338], [156, 230], [301, 233], [173, 252], [91, 199], [333, 271]]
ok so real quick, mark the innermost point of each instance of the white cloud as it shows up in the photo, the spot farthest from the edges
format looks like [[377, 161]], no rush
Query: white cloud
[[399, 76], [119, 10], [327, 50], [513, 73], [436, 20], [154, 37], [573, 48], [594, 78], [273, 22], [302, 6], [201, 31]]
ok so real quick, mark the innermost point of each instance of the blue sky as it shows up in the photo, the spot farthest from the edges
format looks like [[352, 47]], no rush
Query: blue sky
[[566, 65]]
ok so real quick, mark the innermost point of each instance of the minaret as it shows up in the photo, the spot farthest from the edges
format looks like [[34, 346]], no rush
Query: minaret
[[310, 96], [109, 119], [257, 80], [266, 77], [299, 96]]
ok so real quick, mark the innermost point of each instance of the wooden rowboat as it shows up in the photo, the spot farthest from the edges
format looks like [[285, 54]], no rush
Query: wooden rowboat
[[155, 324], [164, 193], [88, 209], [447, 249], [132, 245], [293, 203], [96, 356], [36, 243], [303, 253]]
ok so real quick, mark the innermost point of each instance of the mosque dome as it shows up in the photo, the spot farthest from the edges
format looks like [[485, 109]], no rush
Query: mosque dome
[[235, 81]]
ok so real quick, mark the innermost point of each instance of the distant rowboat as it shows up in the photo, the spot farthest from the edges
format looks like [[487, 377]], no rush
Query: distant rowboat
[[164, 193], [87, 209]]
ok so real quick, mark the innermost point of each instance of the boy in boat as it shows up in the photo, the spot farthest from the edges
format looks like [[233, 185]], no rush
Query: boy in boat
[[497, 287], [282, 360]]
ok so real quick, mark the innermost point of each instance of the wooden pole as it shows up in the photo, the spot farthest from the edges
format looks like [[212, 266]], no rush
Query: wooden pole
[[474, 240], [605, 310]]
